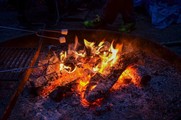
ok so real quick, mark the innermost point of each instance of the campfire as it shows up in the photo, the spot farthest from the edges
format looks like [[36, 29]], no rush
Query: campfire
[[94, 69], [100, 79]]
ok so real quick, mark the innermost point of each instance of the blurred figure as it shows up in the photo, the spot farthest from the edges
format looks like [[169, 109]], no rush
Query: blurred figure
[[111, 11]]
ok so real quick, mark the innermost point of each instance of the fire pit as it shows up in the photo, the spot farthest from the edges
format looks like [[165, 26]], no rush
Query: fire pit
[[100, 75]]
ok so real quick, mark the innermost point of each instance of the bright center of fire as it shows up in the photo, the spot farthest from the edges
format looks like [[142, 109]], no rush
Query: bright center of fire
[[90, 70], [93, 69]]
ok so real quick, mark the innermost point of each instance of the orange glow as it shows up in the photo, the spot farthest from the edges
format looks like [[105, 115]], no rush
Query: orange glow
[[107, 54], [121, 80], [75, 65], [83, 83], [129, 75], [92, 87], [85, 103], [82, 87], [104, 52]]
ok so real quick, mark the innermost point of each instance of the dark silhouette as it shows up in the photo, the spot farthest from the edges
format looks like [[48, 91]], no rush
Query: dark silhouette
[[111, 11]]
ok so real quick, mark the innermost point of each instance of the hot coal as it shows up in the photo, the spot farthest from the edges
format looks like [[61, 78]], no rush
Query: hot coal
[[139, 75], [61, 92]]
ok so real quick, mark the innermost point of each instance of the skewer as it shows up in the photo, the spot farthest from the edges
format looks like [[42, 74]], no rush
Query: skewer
[[63, 32]]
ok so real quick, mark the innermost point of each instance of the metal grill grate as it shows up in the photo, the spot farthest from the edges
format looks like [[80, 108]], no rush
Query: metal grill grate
[[14, 58]]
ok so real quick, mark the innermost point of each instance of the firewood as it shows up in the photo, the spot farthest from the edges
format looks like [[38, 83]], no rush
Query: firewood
[[61, 81], [104, 85], [51, 86], [139, 75], [94, 81], [39, 82]]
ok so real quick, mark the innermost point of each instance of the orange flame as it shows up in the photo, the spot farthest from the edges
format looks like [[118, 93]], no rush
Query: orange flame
[[81, 90], [129, 75], [103, 56]]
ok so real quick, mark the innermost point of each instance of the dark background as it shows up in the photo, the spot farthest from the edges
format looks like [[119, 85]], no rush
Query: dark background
[[72, 15]]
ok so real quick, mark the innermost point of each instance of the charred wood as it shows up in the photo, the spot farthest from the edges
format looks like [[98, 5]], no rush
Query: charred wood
[[105, 84], [62, 91], [94, 81], [139, 75], [51, 86]]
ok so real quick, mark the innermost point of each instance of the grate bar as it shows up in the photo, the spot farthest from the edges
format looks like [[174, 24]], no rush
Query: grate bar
[[5, 55], [10, 61], [12, 64], [14, 58], [22, 57], [18, 58], [25, 60]]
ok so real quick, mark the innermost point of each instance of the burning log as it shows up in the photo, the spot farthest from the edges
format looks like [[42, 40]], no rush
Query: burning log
[[52, 85], [139, 75], [93, 82], [136, 74], [105, 84], [63, 80]]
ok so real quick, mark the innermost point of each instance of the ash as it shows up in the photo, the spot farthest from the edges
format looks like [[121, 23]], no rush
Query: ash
[[159, 99]]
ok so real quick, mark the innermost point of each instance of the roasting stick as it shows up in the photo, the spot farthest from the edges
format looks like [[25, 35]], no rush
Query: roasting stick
[[63, 32]]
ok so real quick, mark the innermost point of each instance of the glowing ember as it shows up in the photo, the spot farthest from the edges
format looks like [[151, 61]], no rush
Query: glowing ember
[[134, 74], [95, 59], [82, 64], [124, 77]]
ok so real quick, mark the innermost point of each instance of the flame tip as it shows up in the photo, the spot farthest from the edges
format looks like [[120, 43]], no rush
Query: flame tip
[[102, 57]]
